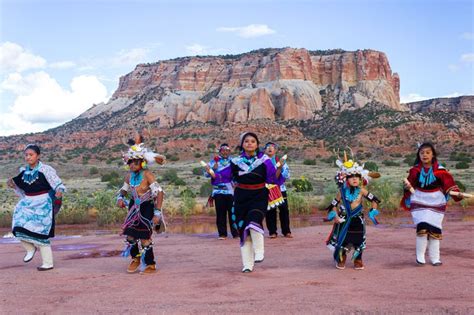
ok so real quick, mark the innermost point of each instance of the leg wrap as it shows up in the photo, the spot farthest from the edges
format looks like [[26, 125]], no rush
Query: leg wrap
[[47, 256], [421, 243], [433, 251], [258, 245], [247, 255]]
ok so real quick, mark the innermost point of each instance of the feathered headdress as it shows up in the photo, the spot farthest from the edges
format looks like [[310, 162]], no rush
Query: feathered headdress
[[138, 151], [350, 167]]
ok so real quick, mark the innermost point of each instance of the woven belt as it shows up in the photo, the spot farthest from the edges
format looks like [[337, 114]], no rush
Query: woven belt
[[37, 193], [251, 187]]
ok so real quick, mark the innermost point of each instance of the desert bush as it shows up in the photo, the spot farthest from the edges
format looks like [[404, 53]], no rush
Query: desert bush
[[309, 162], [205, 190], [371, 166], [93, 171], [108, 212], [461, 165], [6, 218], [298, 203], [197, 171], [390, 163], [302, 184], [388, 192], [74, 210]]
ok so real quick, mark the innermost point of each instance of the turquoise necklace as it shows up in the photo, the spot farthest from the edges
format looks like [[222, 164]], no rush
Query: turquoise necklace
[[136, 178], [351, 197], [426, 178], [31, 175]]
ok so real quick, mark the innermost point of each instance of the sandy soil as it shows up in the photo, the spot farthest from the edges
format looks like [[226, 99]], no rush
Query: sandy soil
[[199, 274]]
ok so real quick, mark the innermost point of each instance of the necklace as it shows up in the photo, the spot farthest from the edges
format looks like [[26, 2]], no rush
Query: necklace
[[136, 179], [426, 178], [351, 197], [31, 175]]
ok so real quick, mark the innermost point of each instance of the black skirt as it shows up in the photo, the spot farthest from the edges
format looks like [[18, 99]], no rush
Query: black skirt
[[140, 226]]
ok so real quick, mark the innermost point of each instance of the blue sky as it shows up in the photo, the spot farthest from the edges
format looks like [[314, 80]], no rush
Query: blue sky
[[73, 52]]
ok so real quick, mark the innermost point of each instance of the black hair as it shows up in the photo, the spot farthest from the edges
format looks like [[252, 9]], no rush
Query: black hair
[[245, 136], [33, 147], [424, 146], [223, 145]]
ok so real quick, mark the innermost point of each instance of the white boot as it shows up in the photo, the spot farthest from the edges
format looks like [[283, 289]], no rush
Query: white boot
[[47, 256], [247, 256], [258, 247], [30, 251], [433, 252], [421, 243]]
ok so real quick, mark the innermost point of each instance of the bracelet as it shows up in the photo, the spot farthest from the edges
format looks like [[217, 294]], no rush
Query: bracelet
[[157, 212]]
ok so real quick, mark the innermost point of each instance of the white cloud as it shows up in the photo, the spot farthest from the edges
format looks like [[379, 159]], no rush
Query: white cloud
[[249, 31], [42, 103], [62, 65], [201, 50], [130, 57], [467, 35], [467, 58], [412, 97], [13, 57], [453, 68], [196, 49]]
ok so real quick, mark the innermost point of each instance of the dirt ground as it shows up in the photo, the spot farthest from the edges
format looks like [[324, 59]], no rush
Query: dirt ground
[[199, 274]]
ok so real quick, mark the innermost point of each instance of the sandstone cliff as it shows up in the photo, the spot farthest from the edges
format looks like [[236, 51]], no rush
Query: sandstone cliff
[[454, 104], [274, 84]]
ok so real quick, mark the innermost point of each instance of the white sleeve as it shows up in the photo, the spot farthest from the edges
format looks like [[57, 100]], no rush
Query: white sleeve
[[52, 178]]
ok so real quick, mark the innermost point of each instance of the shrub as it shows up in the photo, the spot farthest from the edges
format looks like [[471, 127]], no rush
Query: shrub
[[187, 192], [189, 202], [389, 194], [170, 175], [179, 182], [74, 210], [302, 184], [93, 171], [205, 190], [309, 162], [410, 159], [104, 202], [197, 171], [298, 203], [390, 163], [5, 218], [197, 155], [211, 146], [461, 165], [371, 166]]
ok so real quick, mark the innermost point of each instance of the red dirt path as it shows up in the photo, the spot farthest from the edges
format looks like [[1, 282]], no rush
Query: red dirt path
[[199, 274]]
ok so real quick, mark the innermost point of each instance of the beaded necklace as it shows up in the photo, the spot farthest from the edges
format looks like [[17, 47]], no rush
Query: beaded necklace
[[351, 197], [31, 175], [136, 178]]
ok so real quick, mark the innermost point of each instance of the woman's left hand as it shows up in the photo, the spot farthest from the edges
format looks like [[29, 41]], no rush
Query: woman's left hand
[[59, 194]]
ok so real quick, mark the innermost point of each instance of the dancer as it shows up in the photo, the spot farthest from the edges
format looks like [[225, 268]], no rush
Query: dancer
[[349, 228], [427, 189], [40, 191], [144, 209], [251, 170], [271, 150], [220, 173]]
